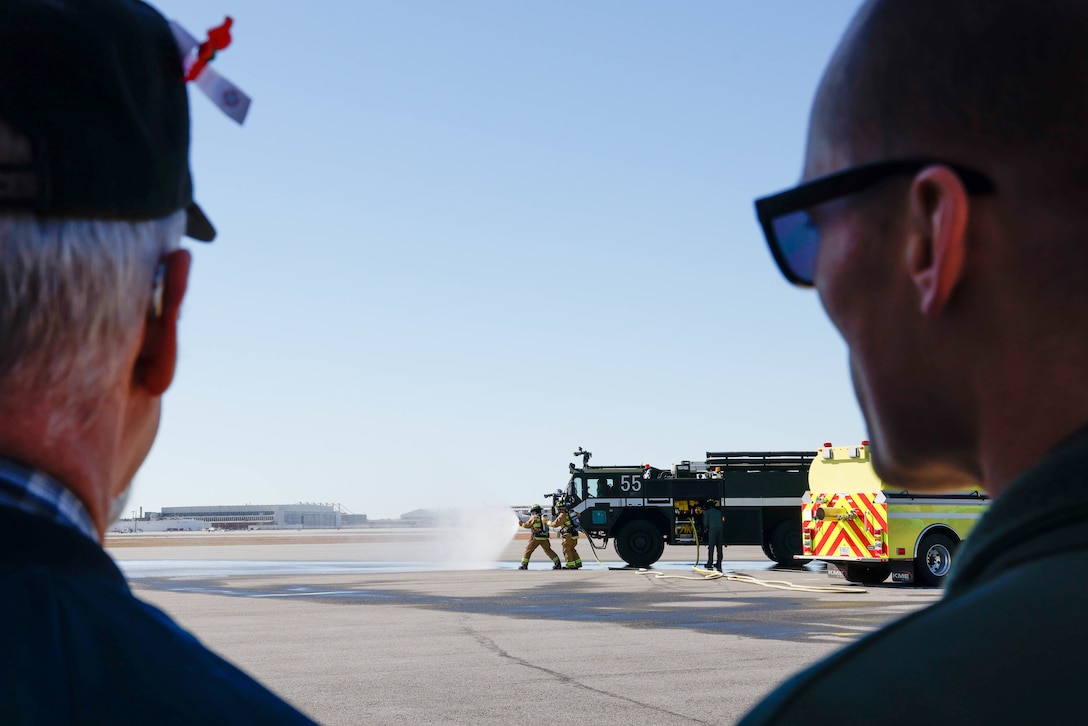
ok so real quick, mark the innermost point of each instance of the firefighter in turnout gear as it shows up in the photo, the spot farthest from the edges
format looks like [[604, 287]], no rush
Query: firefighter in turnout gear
[[539, 538], [568, 530]]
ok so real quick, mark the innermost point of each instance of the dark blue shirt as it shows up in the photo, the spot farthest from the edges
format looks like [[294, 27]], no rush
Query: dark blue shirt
[[37, 493], [712, 519], [76, 647]]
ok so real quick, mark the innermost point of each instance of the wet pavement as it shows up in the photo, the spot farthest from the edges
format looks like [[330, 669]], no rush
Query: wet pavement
[[357, 639], [665, 597], [151, 569]]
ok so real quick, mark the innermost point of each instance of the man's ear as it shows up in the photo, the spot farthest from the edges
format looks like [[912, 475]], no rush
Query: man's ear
[[938, 246], [159, 353]]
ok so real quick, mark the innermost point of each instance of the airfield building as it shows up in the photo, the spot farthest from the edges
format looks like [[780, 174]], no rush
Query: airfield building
[[261, 516]]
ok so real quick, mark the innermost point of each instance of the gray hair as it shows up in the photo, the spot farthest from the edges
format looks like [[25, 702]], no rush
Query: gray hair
[[73, 295]]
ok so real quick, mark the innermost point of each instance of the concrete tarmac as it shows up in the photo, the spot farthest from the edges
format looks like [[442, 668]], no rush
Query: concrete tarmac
[[498, 645]]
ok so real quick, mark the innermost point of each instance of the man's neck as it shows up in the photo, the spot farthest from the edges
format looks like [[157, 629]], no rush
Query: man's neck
[[1020, 424], [81, 458]]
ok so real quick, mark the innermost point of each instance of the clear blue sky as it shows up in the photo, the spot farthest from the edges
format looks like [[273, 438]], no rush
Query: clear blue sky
[[458, 240]]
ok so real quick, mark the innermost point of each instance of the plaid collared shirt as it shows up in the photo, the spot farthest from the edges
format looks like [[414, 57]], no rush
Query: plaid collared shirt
[[36, 493]]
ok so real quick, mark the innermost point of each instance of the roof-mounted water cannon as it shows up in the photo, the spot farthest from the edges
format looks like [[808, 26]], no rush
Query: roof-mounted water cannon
[[586, 456], [560, 498]]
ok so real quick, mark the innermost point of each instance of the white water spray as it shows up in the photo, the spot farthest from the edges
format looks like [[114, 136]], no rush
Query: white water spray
[[475, 538], [463, 538]]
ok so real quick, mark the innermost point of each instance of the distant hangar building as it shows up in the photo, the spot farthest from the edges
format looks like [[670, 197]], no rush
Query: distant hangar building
[[262, 516]]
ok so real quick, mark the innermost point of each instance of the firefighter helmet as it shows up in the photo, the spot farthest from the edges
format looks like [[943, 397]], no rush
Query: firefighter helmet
[[535, 509]]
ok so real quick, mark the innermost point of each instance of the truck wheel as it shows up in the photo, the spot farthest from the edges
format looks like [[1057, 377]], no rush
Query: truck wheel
[[785, 542], [934, 559], [867, 574], [640, 543]]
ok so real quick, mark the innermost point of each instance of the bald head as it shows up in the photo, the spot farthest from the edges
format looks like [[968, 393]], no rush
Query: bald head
[[960, 78], [964, 312], [998, 86]]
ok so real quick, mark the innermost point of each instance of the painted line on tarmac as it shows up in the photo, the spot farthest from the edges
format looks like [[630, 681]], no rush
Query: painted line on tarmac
[[340, 593], [859, 628]]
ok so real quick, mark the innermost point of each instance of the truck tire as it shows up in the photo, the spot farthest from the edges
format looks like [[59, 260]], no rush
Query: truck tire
[[784, 543], [640, 543], [867, 574], [934, 559], [767, 550]]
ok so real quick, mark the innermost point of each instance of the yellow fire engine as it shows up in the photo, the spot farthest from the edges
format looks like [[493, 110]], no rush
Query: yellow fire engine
[[865, 529]]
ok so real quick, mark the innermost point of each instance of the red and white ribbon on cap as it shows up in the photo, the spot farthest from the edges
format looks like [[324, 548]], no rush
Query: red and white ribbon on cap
[[230, 99]]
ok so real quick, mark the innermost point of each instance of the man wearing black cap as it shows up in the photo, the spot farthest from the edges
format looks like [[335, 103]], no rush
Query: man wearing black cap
[[943, 220], [95, 194]]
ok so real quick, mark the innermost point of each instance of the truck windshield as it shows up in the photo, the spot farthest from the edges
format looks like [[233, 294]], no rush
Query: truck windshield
[[574, 490]]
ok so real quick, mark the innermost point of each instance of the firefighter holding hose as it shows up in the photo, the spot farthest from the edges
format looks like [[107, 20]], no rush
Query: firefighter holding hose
[[538, 537], [568, 530]]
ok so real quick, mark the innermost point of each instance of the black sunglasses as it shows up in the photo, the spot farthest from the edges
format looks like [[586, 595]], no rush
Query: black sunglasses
[[791, 233]]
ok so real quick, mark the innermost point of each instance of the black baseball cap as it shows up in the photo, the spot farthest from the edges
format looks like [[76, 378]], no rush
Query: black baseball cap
[[97, 87]]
